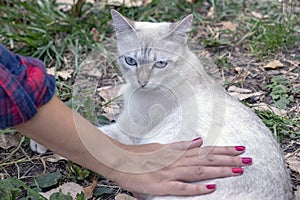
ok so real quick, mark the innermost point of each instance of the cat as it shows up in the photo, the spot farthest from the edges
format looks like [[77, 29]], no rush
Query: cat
[[169, 97]]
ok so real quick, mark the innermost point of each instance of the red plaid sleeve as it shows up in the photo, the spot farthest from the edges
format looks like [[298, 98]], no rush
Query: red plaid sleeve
[[24, 86]]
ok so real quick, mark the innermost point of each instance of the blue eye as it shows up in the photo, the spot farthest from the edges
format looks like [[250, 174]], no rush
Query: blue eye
[[160, 64], [130, 61]]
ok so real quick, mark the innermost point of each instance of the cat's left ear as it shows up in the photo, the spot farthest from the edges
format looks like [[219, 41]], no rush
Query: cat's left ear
[[180, 29]]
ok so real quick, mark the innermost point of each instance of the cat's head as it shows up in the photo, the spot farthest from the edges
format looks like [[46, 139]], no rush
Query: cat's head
[[148, 52]]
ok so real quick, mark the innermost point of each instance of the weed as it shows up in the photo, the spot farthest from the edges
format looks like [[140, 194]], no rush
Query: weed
[[281, 92], [223, 62], [282, 127]]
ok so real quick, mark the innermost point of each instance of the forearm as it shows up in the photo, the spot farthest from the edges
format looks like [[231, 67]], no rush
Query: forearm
[[54, 126]]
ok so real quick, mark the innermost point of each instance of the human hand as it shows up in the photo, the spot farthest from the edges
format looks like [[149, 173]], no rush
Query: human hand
[[175, 179]]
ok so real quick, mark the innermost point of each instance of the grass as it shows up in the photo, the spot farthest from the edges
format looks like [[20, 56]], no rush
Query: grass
[[281, 126], [63, 38]]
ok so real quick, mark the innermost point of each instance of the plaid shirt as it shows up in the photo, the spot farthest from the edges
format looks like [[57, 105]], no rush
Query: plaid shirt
[[24, 86]]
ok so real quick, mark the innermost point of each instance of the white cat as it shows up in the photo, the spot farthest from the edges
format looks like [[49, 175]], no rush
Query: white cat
[[169, 98]]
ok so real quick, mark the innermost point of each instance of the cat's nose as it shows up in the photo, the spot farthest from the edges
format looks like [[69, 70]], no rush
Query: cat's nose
[[143, 83]]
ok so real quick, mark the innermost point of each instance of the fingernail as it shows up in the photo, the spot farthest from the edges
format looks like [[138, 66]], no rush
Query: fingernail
[[198, 138], [240, 148], [247, 161], [211, 186], [237, 170]]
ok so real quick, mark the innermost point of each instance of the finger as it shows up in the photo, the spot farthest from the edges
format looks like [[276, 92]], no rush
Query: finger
[[218, 150], [198, 173], [182, 146], [188, 189], [214, 160]]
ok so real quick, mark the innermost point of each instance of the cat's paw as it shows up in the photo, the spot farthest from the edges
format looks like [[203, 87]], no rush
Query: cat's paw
[[36, 147]]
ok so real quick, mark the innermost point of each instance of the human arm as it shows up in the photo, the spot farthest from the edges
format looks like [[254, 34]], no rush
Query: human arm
[[57, 127]]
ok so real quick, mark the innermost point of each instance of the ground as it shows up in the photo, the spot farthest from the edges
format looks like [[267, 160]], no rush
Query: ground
[[250, 47]]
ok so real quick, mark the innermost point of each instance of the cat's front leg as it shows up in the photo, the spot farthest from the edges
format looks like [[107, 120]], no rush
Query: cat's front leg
[[36, 147]]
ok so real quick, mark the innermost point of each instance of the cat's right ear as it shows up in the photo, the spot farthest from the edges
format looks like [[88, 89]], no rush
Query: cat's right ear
[[121, 23]]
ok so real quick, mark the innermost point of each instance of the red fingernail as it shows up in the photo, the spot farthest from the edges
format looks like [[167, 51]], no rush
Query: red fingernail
[[211, 186], [247, 161], [198, 138], [240, 148], [237, 170]]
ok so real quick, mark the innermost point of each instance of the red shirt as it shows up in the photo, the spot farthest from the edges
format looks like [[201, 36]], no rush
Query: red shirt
[[24, 86]]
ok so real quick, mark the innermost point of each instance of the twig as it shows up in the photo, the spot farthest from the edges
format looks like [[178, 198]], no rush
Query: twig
[[14, 151]]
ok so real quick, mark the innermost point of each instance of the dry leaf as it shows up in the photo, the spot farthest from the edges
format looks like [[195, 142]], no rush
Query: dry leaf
[[211, 12], [51, 71], [273, 65], [90, 189], [123, 196], [229, 25], [54, 158], [258, 15], [245, 96], [109, 93], [8, 140], [293, 160], [67, 188], [239, 90], [65, 74], [266, 107]]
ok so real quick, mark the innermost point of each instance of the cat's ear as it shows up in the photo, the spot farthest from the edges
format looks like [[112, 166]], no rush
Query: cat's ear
[[180, 29], [121, 23]]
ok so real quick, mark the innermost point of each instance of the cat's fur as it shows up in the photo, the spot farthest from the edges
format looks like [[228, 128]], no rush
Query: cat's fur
[[180, 102]]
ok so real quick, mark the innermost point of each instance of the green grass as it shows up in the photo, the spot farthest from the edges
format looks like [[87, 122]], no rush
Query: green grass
[[281, 126]]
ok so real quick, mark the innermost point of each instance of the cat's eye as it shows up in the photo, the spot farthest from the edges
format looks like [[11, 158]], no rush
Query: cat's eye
[[130, 61], [160, 64]]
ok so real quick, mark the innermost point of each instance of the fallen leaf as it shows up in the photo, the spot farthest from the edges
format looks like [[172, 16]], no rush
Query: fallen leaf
[[109, 94], [229, 25], [122, 196], [266, 107], [211, 12], [54, 158], [245, 96], [66, 74], [273, 65], [258, 15], [51, 71], [293, 160], [239, 90], [67, 188], [90, 189], [8, 140]]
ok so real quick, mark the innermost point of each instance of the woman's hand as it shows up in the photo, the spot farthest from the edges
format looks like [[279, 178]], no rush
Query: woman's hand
[[195, 164]]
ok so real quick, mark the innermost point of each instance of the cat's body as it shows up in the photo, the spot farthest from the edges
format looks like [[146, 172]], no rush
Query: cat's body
[[178, 101]]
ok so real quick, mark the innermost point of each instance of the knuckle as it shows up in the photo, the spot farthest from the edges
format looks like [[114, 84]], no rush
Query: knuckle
[[210, 159], [199, 171]]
